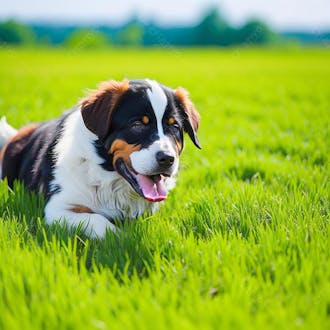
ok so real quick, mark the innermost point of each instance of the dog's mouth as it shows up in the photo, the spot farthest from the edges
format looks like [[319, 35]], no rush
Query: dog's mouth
[[150, 187]]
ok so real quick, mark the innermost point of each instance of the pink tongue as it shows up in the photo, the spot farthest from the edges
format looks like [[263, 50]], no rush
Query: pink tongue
[[152, 191]]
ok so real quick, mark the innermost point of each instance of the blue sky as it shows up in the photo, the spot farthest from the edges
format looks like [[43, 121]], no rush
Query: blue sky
[[280, 14]]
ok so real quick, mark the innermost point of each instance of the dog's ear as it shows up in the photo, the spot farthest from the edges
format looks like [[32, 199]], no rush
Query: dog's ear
[[97, 107], [191, 117]]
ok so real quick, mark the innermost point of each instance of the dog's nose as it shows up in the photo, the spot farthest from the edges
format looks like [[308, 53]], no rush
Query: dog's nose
[[164, 160]]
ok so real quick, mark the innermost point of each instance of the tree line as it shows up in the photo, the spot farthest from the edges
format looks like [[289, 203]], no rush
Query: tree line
[[212, 30]]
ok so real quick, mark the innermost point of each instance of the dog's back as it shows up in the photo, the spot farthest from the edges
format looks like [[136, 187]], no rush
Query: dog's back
[[27, 154]]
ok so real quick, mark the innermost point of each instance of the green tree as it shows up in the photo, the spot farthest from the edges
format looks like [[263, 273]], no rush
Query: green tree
[[87, 39], [255, 32], [212, 29], [12, 32], [131, 34]]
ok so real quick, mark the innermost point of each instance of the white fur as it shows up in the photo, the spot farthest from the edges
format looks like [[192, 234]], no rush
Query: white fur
[[6, 133], [158, 102], [83, 182], [144, 161]]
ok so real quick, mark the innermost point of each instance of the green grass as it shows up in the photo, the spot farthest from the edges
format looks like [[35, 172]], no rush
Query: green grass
[[243, 240]]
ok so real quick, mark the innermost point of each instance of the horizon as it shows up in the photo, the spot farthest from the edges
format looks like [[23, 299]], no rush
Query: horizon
[[279, 15]]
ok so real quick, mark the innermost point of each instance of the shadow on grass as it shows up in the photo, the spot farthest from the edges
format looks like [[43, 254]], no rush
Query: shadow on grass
[[246, 173]]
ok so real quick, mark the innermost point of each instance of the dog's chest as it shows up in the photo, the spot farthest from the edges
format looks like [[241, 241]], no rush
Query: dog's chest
[[118, 201], [109, 194]]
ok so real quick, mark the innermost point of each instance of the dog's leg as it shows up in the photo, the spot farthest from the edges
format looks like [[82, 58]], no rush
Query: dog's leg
[[95, 225]]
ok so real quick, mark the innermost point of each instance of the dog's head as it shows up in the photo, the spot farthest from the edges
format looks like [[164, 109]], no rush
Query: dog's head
[[140, 125]]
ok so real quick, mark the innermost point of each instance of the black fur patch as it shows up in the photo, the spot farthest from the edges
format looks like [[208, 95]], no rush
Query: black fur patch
[[33, 157]]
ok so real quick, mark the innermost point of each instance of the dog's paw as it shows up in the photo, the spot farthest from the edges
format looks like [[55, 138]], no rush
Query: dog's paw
[[98, 226]]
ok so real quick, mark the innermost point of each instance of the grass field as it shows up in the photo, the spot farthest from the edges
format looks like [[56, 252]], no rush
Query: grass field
[[243, 240]]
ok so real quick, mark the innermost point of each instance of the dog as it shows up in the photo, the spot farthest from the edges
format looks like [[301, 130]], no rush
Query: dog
[[115, 155]]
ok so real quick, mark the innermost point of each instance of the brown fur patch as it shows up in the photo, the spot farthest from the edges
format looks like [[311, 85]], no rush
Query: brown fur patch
[[122, 149], [192, 113], [145, 120], [97, 107], [24, 132], [11, 153], [115, 88], [171, 120], [21, 135], [179, 146], [76, 208]]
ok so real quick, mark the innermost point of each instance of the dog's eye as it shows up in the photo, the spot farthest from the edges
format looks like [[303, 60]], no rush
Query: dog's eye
[[137, 124], [140, 124]]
